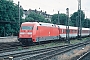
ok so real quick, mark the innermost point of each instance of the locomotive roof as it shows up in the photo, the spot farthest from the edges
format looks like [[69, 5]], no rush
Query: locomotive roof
[[52, 25], [29, 22], [41, 24], [47, 24]]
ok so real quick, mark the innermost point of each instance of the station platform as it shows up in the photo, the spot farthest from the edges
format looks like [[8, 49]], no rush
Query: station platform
[[8, 39]]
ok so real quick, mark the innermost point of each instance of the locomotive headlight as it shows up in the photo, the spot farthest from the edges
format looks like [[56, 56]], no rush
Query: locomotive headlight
[[29, 33], [22, 33]]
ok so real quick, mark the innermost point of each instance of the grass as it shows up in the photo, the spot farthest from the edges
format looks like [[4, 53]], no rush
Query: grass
[[53, 44], [78, 41]]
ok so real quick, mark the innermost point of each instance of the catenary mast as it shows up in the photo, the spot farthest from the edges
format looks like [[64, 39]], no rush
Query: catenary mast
[[79, 19]]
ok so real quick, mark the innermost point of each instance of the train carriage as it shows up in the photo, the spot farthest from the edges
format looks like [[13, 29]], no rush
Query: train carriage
[[85, 31], [72, 31]]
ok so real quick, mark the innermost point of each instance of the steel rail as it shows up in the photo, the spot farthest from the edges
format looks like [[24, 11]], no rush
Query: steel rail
[[40, 54], [83, 56], [25, 52], [46, 55], [6, 47]]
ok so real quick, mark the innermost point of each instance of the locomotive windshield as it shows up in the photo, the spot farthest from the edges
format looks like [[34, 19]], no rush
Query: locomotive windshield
[[27, 27]]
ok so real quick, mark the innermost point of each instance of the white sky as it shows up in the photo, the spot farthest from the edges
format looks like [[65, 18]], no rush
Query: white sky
[[52, 6]]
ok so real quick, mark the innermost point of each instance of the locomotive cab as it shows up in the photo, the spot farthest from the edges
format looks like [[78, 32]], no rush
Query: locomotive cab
[[26, 33]]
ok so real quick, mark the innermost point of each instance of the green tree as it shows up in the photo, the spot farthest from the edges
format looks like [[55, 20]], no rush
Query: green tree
[[74, 18], [86, 23], [9, 12], [62, 19], [35, 17]]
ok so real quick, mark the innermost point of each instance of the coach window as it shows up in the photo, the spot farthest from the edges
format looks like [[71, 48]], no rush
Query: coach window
[[73, 31], [63, 31], [37, 28], [83, 31]]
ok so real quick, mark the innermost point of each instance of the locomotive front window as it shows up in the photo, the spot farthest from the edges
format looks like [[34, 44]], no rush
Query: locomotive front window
[[27, 27]]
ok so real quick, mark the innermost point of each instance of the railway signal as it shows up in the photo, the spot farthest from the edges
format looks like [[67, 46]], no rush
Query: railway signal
[[19, 12], [67, 26], [58, 18]]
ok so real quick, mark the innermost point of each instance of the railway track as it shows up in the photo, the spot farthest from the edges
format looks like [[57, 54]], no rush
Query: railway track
[[11, 46], [41, 54], [6, 47], [84, 56]]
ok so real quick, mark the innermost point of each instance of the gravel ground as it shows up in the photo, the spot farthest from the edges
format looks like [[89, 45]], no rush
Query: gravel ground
[[8, 39], [87, 57], [73, 54]]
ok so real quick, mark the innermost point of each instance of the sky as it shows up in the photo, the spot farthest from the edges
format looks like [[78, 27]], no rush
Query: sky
[[53, 6]]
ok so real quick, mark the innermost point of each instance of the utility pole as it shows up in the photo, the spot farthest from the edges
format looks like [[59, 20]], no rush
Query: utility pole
[[79, 19], [87, 22], [67, 26], [19, 12], [58, 17], [76, 21]]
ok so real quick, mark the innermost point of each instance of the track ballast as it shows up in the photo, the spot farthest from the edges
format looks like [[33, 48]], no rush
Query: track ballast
[[40, 54]]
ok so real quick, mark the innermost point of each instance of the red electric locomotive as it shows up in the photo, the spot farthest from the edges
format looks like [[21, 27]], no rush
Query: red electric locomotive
[[37, 31]]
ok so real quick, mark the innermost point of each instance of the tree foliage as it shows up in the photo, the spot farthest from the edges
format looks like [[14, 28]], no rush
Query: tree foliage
[[62, 19], [9, 12], [35, 17], [75, 18], [86, 23]]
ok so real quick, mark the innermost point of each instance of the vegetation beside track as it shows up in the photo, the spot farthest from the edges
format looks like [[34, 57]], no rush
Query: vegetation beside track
[[53, 44], [15, 47], [77, 40]]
